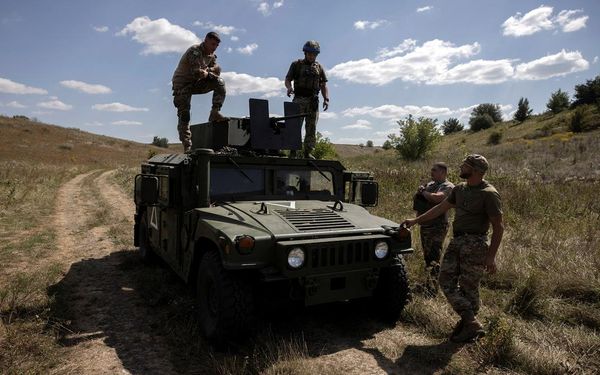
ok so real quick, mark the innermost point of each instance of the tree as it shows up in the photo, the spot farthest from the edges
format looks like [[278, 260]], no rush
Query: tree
[[481, 122], [160, 142], [324, 149], [588, 92], [558, 102], [417, 137], [523, 111], [493, 110], [452, 125], [387, 145], [369, 143]]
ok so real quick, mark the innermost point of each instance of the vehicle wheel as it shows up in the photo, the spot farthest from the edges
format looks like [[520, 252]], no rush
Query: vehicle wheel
[[393, 291], [226, 302], [145, 249]]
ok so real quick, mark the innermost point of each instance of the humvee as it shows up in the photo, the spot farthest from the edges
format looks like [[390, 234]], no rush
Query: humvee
[[246, 226]]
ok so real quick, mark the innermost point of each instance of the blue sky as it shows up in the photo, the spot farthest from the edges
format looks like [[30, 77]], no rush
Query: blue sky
[[105, 66]]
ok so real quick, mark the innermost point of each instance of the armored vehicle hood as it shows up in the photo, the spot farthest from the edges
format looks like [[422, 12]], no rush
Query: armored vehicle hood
[[292, 219]]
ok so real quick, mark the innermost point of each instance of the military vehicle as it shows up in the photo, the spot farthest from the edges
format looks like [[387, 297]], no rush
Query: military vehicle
[[246, 226]]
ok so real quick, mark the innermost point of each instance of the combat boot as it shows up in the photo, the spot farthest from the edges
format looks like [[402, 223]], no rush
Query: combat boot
[[471, 329], [215, 116]]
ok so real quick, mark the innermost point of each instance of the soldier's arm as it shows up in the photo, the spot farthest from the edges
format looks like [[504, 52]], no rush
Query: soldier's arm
[[288, 86], [434, 197], [497, 232], [215, 69], [325, 93], [197, 68], [434, 212]]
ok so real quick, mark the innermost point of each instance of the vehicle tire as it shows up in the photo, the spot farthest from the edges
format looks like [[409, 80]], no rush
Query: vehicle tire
[[393, 290], [145, 249], [225, 301]]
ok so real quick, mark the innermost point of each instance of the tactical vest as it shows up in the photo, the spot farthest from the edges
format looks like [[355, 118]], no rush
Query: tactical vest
[[307, 78]]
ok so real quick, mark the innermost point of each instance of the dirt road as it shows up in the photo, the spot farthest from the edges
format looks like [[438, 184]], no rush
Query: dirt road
[[120, 319]]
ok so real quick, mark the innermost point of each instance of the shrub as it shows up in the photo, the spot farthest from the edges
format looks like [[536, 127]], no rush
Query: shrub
[[160, 142], [558, 102], [588, 92], [493, 110], [369, 143], [452, 125], [417, 137], [576, 124], [387, 145], [494, 138], [324, 149], [529, 300], [481, 122], [523, 110]]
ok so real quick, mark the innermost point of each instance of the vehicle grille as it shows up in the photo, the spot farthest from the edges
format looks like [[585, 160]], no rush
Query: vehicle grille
[[339, 254], [315, 220]]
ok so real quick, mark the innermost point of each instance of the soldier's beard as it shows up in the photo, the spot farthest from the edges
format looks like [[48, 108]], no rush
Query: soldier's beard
[[465, 175]]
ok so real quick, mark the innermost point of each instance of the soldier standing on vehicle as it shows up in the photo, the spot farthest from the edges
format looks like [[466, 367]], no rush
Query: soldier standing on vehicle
[[433, 232], [198, 73], [477, 204], [309, 78]]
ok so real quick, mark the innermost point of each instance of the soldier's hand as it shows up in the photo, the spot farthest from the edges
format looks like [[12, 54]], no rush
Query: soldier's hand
[[290, 92], [203, 73], [490, 265], [408, 223], [325, 104]]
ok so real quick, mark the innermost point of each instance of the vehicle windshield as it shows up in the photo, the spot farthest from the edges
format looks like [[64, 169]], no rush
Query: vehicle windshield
[[303, 182], [233, 181]]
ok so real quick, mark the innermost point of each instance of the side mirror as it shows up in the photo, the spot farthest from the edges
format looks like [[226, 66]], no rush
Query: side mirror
[[369, 193], [148, 190]]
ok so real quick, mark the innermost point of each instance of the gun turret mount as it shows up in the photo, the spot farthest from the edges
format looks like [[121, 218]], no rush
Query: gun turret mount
[[257, 132]]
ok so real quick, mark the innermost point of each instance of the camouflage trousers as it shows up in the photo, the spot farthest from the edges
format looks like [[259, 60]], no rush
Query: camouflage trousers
[[309, 105], [182, 99], [432, 239], [461, 271]]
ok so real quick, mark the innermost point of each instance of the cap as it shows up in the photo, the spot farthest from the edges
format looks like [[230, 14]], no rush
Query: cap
[[477, 162], [213, 35]]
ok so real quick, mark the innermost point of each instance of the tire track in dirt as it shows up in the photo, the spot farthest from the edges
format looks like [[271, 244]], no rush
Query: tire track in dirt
[[110, 330]]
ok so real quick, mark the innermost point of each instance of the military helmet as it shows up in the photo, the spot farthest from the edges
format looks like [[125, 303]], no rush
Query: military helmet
[[312, 46]]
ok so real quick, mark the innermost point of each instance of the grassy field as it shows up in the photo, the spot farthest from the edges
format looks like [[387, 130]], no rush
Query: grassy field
[[542, 308]]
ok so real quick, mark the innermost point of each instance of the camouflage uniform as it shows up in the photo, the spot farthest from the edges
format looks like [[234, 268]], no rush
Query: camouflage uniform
[[307, 79], [433, 234], [463, 264], [187, 82]]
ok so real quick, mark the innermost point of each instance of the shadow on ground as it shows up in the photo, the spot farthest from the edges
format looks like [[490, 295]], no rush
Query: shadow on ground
[[148, 316]]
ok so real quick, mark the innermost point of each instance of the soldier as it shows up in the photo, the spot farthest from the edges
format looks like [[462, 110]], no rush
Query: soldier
[[197, 73], [309, 78], [468, 255], [433, 232]]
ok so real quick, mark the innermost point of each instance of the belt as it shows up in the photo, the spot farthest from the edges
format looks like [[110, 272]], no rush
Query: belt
[[460, 234]]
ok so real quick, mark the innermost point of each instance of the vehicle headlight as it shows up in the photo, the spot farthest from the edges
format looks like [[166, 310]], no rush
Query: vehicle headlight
[[381, 249], [296, 257]]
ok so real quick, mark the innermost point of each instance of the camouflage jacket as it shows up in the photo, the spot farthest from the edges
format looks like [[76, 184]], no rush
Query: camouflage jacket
[[307, 77], [192, 62]]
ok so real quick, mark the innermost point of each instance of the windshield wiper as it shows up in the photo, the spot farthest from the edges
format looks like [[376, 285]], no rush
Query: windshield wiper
[[239, 169], [319, 170]]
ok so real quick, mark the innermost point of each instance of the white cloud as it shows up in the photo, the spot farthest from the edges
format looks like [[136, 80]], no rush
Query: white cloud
[[118, 107], [570, 21], [55, 104], [359, 124], [229, 49], [100, 29], [264, 8], [93, 123], [234, 38], [560, 64], [9, 87], [436, 63], [159, 36], [541, 19], [326, 133], [277, 4], [221, 29], [425, 8], [248, 49], [406, 45], [595, 60], [87, 88], [126, 122], [15, 104], [372, 25], [327, 115], [241, 84]]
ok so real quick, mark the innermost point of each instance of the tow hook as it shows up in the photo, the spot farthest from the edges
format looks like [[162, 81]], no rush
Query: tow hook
[[311, 286], [371, 279]]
